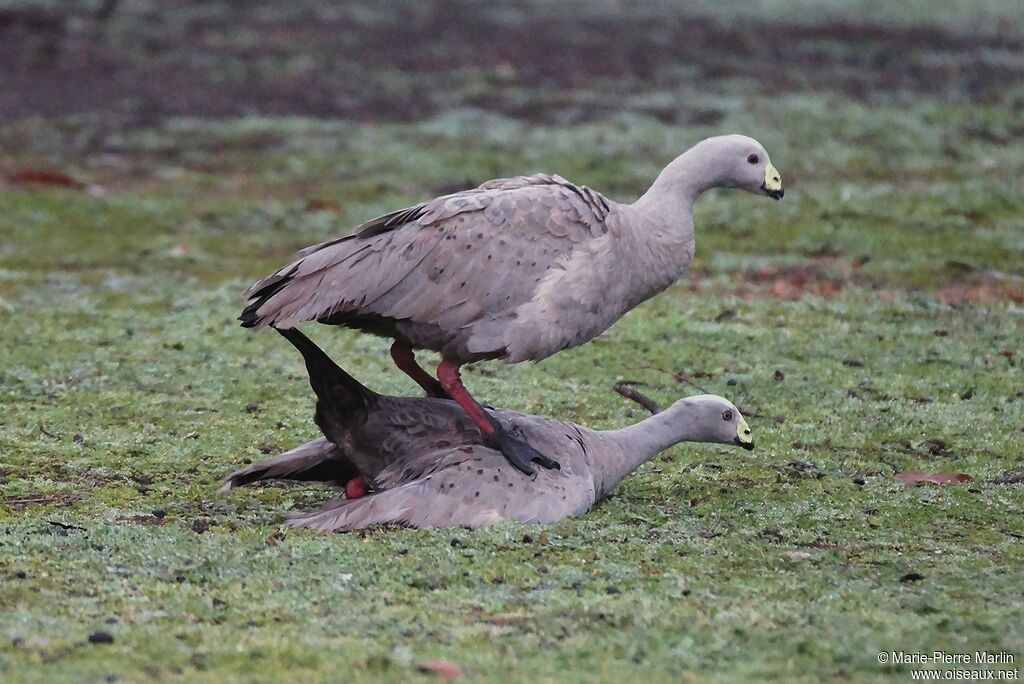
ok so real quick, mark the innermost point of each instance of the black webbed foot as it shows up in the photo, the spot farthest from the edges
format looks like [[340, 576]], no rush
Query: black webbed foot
[[518, 451]]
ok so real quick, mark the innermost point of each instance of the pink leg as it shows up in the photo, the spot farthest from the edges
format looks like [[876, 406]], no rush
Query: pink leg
[[509, 442], [448, 374], [405, 359]]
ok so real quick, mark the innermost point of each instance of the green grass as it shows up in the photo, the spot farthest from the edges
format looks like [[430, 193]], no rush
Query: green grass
[[876, 310]]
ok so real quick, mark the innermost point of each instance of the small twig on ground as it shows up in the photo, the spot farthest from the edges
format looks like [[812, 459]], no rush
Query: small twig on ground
[[65, 526], [623, 388], [679, 376], [42, 499], [748, 412]]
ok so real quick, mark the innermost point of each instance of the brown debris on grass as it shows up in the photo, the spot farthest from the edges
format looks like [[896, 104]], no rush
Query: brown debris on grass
[[916, 476], [45, 177], [790, 283], [829, 278], [445, 669]]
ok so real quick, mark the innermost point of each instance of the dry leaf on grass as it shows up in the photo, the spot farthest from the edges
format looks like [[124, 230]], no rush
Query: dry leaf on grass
[[323, 205], [45, 177], [442, 668], [915, 476]]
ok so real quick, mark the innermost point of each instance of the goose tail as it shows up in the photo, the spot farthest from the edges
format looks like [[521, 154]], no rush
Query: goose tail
[[333, 386]]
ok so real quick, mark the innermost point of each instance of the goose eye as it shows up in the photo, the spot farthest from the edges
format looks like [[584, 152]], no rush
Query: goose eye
[[726, 415], [753, 159]]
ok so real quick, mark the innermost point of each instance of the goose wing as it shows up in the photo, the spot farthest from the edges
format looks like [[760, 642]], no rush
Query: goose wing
[[465, 487], [447, 262]]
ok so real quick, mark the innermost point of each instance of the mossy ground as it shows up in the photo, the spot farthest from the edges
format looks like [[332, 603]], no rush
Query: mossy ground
[[869, 323]]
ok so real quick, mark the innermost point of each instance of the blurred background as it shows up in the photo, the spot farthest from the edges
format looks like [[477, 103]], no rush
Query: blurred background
[[135, 62]]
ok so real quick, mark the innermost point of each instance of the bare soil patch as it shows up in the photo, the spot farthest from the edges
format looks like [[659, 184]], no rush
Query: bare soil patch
[[829, 278], [218, 59]]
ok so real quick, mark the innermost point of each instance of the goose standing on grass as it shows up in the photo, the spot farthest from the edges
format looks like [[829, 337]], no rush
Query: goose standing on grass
[[425, 463], [516, 270]]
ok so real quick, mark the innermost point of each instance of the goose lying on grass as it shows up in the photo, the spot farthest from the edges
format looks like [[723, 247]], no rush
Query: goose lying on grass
[[424, 461], [516, 270]]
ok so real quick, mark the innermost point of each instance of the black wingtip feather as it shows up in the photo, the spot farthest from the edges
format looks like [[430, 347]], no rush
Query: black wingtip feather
[[330, 470], [269, 287]]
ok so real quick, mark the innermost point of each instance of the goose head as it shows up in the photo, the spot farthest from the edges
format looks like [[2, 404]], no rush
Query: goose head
[[724, 161], [738, 161], [711, 418]]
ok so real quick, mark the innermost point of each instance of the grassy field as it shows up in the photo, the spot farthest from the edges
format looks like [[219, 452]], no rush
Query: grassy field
[[868, 324]]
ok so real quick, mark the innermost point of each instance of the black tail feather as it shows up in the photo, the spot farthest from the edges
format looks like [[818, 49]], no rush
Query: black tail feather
[[331, 384], [335, 470]]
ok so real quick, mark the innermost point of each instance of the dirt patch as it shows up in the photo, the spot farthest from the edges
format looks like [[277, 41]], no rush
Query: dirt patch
[[829, 278], [819, 277], [989, 290], [791, 283], [536, 62]]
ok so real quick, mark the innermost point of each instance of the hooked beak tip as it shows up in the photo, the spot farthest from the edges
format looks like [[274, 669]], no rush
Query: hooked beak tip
[[749, 446]]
